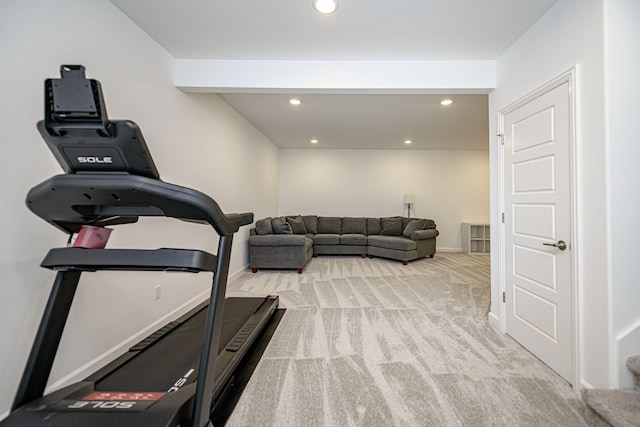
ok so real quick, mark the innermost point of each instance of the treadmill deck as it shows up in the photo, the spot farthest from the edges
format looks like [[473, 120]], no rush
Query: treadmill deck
[[144, 387], [166, 361]]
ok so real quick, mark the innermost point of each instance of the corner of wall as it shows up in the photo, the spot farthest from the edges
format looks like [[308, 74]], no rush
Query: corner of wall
[[627, 344]]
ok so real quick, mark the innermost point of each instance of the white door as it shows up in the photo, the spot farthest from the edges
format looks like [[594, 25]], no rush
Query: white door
[[538, 227]]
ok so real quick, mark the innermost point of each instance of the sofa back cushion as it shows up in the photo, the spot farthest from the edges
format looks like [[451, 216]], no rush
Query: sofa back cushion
[[373, 226], [310, 223], [263, 226], [329, 225], [406, 221], [391, 226], [297, 225], [354, 225], [414, 225], [281, 226]]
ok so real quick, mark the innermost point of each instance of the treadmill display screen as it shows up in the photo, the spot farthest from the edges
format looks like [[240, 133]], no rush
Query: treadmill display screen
[[107, 395], [110, 401]]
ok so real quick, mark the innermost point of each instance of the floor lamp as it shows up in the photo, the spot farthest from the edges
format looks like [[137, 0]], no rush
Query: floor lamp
[[408, 200]]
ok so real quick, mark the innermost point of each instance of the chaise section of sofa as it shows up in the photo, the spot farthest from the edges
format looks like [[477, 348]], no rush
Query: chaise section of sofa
[[290, 242], [402, 239], [420, 244]]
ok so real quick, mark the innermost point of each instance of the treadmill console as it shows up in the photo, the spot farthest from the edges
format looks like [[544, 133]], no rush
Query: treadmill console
[[81, 136]]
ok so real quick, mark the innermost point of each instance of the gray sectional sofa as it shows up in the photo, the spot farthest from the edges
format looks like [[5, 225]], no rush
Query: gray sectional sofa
[[291, 241]]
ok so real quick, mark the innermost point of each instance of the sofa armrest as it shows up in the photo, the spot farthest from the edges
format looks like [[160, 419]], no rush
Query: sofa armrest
[[424, 234], [277, 240]]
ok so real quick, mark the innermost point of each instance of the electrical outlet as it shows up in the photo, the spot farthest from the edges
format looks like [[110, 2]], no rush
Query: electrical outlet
[[157, 292]]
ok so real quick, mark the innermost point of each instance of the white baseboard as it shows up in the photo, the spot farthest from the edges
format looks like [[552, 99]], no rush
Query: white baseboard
[[494, 321], [584, 384], [235, 274], [439, 249]]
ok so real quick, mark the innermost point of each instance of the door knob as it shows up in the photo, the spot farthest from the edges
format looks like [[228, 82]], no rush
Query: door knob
[[562, 245]]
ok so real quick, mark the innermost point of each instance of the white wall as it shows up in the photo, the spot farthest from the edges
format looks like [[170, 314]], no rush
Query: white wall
[[570, 34], [275, 76], [196, 140], [622, 91], [449, 186]]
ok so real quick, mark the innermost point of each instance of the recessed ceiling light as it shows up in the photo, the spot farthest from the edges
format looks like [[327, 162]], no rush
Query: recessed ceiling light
[[407, 141], [295, 101], [314, 141], [446, 102], [325, 6]]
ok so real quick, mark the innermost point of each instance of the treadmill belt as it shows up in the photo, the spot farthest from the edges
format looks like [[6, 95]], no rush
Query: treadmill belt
[[177, 354]]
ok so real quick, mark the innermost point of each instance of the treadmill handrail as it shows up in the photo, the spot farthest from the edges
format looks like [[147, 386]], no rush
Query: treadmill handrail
[[164, 259], [71, 201]]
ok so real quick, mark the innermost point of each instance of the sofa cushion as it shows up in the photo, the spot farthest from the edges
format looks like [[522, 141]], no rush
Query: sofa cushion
[[297, 225], [431, 233], [329, 225], [391, 226], [393, 242], [280, 226], [414, 225], [277, 222], [310, 223], [354, 225], [285, 228], [374, 226], [263, 226], [353, 239], [326, 239], [406, 221]]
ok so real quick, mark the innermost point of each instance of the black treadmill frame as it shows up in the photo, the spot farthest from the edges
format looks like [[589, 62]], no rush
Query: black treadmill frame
[[59, 200], [102, 193]]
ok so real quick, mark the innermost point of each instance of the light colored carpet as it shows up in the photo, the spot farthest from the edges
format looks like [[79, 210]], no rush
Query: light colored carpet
[[368, 342]]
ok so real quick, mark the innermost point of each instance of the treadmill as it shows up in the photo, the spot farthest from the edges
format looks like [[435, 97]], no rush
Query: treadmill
[[177, 375]]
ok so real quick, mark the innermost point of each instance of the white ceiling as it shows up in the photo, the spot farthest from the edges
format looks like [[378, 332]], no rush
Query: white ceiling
[[359, 30], [371, 121]]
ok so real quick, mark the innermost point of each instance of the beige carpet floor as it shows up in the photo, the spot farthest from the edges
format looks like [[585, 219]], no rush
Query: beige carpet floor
[[370, 342]]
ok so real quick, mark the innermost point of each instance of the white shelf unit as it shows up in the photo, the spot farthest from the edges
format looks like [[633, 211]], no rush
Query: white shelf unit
[[475, 238]]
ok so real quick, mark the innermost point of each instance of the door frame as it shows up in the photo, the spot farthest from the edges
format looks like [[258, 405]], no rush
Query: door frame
[[570, 78]]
